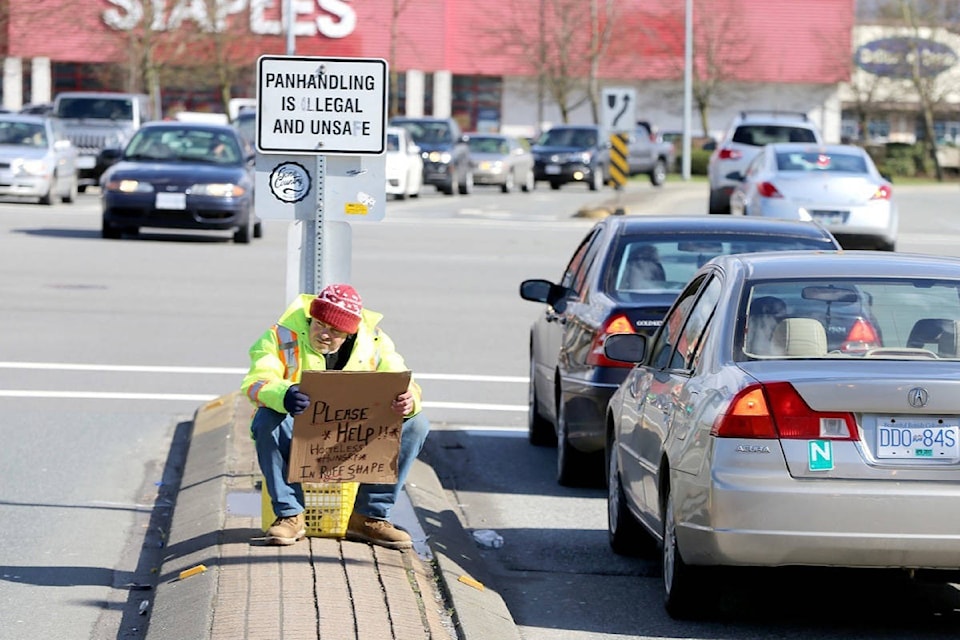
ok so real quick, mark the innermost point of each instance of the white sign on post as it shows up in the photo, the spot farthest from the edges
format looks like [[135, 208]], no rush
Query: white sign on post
[[325, 106], [618, 109]]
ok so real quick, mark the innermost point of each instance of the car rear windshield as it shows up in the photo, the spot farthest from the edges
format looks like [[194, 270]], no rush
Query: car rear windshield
[[821, 162], [850, 318], [758, 135], [644, 263]]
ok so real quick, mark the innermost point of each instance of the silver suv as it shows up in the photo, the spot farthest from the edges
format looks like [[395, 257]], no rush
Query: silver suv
[[743, 140]]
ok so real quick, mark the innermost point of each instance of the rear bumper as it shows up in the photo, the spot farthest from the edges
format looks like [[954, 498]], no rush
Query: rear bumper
[[767, 520]]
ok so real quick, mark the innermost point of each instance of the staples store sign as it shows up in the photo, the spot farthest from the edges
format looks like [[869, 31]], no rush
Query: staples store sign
[[330, 18]]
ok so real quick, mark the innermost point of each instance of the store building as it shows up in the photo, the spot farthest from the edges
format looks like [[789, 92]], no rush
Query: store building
[[480, 62]]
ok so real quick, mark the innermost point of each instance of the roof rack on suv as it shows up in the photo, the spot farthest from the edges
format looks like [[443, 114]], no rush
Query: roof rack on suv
[[773, 112]]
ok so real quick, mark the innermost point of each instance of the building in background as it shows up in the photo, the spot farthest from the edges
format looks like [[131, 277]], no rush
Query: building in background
[[490, 65]]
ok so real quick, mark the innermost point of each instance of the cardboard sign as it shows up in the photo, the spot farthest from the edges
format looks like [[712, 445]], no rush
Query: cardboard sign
[[349, 433]]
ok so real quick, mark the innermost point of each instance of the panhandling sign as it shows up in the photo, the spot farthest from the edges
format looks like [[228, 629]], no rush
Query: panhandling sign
[[349, 433], [321, 105]]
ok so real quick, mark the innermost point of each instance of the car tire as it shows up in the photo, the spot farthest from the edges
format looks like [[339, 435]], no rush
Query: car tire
[[682, 584], [466, 187], [244, 232], [659, 173], [110, 232], [258, 229], [718, 205], [596, 179], [626, 535], [82, 188], [574, 468], [529, 183], [509, 183], [47, 199], [555, 184], [71, 195], [540, 431], [449, 188]]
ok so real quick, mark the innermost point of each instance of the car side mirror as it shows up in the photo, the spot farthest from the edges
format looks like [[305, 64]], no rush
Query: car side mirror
[[625, 347], [110, 155]]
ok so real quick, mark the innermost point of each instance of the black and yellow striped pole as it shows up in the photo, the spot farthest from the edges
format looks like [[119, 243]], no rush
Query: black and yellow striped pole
[[619, 168]]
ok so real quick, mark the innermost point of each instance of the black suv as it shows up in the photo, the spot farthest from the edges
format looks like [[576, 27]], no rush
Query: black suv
[[572, 153], [446, 156]]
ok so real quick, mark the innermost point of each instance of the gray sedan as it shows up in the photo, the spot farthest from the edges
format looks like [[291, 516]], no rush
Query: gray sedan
[[501, 160], [36, 159], [793, 409]]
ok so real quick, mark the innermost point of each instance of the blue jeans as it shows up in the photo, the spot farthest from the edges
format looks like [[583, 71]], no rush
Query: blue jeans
[[272, 434]]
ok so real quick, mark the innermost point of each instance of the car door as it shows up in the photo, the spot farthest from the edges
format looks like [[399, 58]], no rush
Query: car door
[[550, 327], [662, 392]]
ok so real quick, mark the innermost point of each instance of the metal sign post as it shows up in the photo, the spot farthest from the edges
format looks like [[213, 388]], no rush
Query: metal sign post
[[321, 138]]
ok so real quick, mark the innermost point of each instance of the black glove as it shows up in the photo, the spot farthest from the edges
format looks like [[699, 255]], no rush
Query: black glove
[[295, 402]]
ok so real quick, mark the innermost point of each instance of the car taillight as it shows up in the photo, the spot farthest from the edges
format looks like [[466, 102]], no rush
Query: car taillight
[[729, 154], [861, 337], [883, 192], [767, 190], [775, 409], [614, 324]]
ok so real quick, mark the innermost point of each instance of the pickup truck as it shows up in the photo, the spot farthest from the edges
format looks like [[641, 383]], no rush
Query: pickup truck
[[649, 154]]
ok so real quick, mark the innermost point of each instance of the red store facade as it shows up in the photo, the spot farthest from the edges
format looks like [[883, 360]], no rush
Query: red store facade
[[475, 61]]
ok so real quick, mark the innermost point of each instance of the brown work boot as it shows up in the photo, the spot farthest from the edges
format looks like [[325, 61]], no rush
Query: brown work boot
[[363, 528], [287, 530]]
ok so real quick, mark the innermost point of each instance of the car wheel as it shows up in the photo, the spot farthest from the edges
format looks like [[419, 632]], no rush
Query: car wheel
[[509, 183], [466, 188], [530, 183], [555, 184], [48, 197], [258, 229], [887, 246], [626, 535], [82, 188], [110, 232], [573, 466], [450, 188], [596, 180], [718, 204], [659, 174], [71, 195], [682, 584], [243, 233], [540, 431]]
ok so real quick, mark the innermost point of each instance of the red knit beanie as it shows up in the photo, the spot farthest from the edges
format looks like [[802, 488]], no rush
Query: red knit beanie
[[338, 306]]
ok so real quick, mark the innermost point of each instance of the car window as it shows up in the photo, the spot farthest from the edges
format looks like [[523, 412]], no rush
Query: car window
[[760, 134], [851, 317], [576, 272], [821, 162], [690, 344], [393, 142], [671, 330], [640, 264]]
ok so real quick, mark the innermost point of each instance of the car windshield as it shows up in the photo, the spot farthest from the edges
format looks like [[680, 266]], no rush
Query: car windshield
[[821, 162], [428, 132], [564, 137], [23, 134], [393, 142], [488, 145], [758, 135], [850, 318], [96, 108], [645, 263], [163, 144]]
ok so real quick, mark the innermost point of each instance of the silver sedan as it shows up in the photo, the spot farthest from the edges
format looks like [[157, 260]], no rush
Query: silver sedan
[[793, 409], [839, 186]]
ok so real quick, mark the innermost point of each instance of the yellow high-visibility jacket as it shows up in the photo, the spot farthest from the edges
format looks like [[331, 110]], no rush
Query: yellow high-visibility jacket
[[279, 356]]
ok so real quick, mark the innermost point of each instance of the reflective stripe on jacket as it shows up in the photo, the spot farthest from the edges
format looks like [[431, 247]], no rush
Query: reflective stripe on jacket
[[279, 356]]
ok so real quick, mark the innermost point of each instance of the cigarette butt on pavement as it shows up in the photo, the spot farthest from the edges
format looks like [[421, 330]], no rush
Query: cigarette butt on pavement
[[192, 571], [467, 580]]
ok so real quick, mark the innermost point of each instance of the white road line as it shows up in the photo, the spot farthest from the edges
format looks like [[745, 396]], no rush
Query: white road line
[[64, 366]]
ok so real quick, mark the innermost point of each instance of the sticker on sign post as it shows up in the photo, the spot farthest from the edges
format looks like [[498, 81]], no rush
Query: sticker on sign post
[[324, 106]]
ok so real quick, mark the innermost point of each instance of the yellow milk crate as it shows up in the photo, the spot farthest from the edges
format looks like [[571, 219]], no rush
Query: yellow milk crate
[[327, 507]]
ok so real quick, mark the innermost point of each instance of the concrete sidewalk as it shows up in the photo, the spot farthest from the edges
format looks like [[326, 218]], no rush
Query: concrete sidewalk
[[319, 588]]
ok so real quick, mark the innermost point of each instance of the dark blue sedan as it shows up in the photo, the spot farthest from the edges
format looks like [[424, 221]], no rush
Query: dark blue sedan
[[180, 175]]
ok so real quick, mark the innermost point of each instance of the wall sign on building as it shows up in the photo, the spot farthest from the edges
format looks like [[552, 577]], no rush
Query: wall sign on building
[[321, 105]]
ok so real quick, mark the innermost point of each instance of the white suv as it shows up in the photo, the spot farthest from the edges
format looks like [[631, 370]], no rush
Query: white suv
[[743, 140]]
